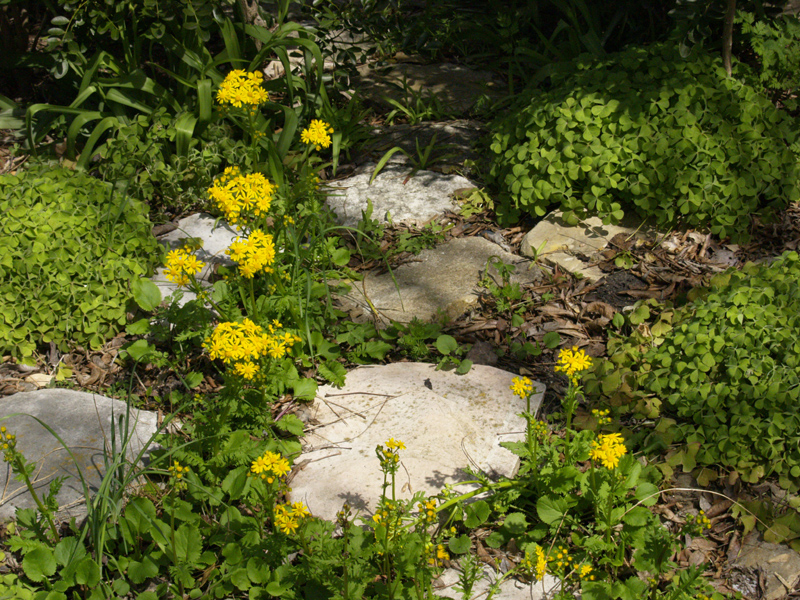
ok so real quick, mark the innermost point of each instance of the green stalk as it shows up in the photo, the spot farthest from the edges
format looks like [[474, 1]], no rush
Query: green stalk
[[46, 513]]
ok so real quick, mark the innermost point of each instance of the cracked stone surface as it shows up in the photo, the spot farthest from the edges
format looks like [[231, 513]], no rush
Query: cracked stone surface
[[84, 422], [407, 199], [446, 421], [440, 282], [574, 248]]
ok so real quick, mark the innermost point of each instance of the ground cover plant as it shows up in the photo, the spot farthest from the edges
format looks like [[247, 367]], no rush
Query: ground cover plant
[[674, 140], [722, 371], [50, 293]]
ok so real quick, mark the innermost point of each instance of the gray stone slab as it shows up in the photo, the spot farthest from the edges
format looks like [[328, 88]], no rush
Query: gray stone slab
[[575, 248], [84, 423], [510, 589], [441, 282], [456, 87], [780, 563], [414, 200], [446, 421]]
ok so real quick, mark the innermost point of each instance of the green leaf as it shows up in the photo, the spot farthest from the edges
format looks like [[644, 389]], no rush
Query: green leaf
[[464, 367], [551, 339], [39, 563], [515, 523], [551, 509], [291, 424], [305, 389], [193, 379], [460, 544], [638, 516], [446, 344], [647, 494], [476, 514], [140, 349]]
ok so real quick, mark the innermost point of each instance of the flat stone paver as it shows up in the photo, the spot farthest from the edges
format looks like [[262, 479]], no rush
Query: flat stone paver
[[413, 200], [446, 421], [510, 589], [562, 245], [441, 281], [84, 423]]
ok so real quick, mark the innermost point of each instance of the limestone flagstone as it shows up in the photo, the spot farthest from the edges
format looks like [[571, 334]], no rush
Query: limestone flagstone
[[446, 421], [84, 422], [215, 237], [510, 589], [407, 199], [440, 282], [575, 248]]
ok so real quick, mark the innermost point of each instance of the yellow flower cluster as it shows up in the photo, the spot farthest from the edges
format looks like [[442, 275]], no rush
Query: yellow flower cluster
[[608, 449], [571, 362], [697, 523], [177, 472], [181, 265], [428, 511], [254, 255], [436, 554], [245, 342], [535, 563], [246, 370], [521, 386], [317, 133], [585, 572], [561, 559], [269, 466], [241, 88], [236, 194], [8, 441], [288, 517], [388, 456], [601, 415]]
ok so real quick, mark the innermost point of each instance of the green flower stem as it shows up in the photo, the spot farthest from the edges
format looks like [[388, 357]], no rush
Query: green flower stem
[[19, 466]]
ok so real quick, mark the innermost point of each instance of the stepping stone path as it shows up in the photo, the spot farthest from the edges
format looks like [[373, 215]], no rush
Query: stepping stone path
[[576, 248], [441, 281], [413, 200], [84, 422], [446, 421]]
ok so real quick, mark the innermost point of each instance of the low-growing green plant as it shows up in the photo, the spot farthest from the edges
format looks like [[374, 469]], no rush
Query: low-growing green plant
[[721, 371], [71, 244], [777, 45], [136, 160], [675, 140]]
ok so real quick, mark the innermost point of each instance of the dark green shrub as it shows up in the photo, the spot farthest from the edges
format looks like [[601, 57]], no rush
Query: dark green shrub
[[69, 249], [777, 45], [726, 368], [673, 139]]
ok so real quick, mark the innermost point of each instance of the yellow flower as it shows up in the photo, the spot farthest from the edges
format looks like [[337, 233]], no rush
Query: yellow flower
[[287, 524], [608, 449], [395, 444], [235, 194], [180, 265], [571, 362], [241, 88], [541, 563], [300, 510], [585, 571], [254, 255], [521, 386], [317, 133], [247, 369]]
